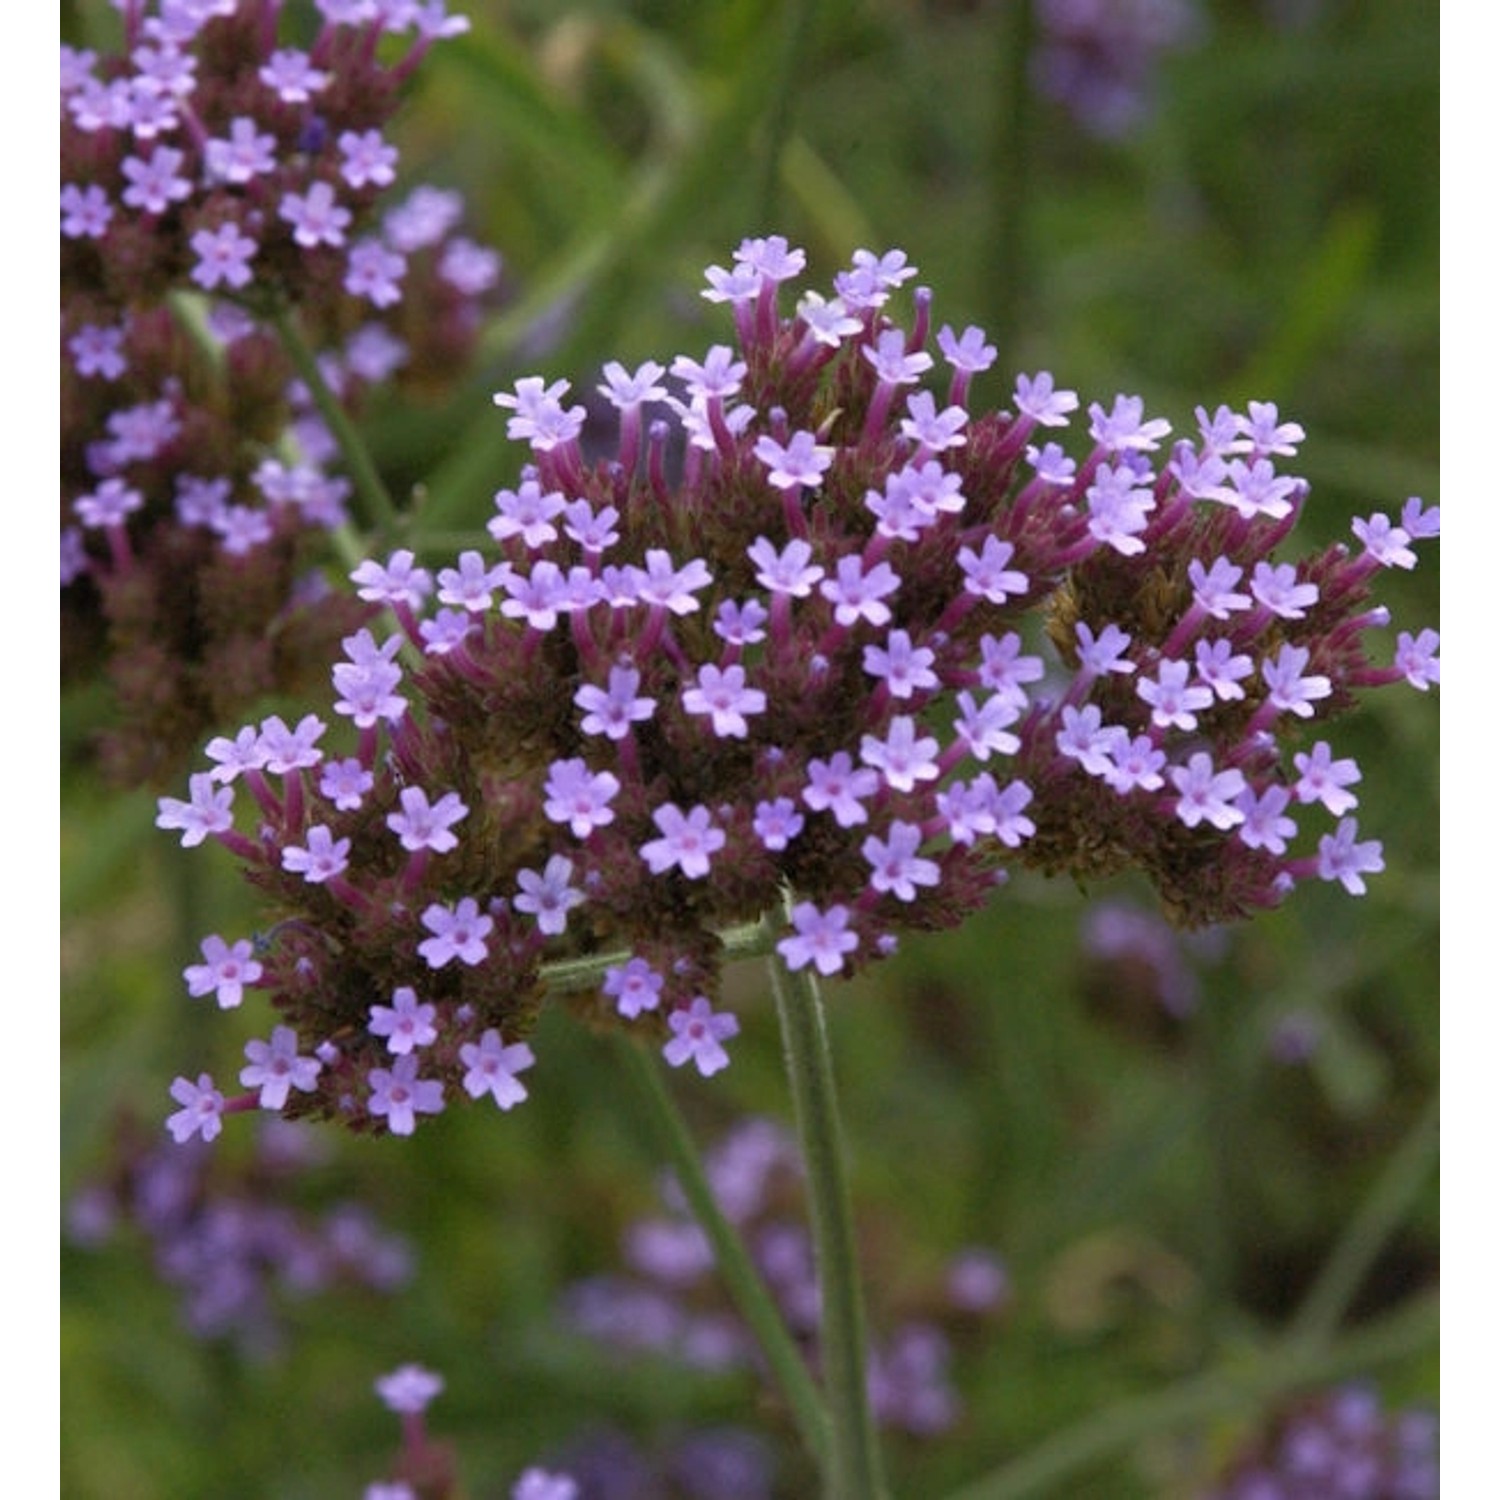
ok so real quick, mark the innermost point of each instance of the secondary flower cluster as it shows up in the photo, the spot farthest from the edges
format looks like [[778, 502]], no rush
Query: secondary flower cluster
[[862, 649], [670, 1301], [1341, 1443], [225, 1236], [215, 180]]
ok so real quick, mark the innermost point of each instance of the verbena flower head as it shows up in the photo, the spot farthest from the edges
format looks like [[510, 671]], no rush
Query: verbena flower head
[[1342, 1442], [860, 690], [216, 177]]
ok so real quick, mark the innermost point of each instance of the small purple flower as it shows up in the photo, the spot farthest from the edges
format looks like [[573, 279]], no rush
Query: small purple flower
[[276, 1069], [1341, 858], [320, 859], [634, 987], [801, 461], [369, 160], [492, 1068], [406, 1023], [1175, 702], [86, 211], [895, 866], [687, 840], [291, 75], [1321, 778], [835, 786], [375, 273], [1290, 690], [1416, 658], [154, 182], [243, 154], [316, 216], [777, 823], [579, 797], [1036, 398], [550, 896], [902, 757], [819, 938], [790, 571], [345, 783], [457, 932], [1276, 586], [427, 825], [1206, 795], [1265, 825], [724, 698], [207, 810], [612, 712], [859, 594], [202, 1109], [224, 972], [698, 1035], [409, 1389], [224, 256]]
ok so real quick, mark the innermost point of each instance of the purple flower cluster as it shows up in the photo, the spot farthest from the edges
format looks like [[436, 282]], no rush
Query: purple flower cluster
[[670, 1301], [225, 1238], [862, 645], [214, 179], [1099, 58], [1343, 1444]]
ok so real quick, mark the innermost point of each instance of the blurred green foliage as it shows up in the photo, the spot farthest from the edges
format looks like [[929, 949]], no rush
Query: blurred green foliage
[[1164, 1192]]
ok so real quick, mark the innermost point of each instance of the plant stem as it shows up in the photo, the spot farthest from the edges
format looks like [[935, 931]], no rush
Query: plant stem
[[1010, 179], [1285, 1367], [379, 510], [733, 1260], [856, 1469], [571, 976], [1367, 1233], [796, 30]]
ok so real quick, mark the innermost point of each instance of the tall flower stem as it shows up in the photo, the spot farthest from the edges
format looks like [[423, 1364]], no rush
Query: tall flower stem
[[379, 510], [740, 1276], [856, 1472], [1390, 1200]]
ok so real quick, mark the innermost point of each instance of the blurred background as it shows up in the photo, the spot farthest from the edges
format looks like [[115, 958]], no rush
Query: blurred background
[[1159, 1142]]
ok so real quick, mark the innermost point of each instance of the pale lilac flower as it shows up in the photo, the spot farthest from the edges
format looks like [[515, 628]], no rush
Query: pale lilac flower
[[612, 712], [549, 896], [1104, 652], [1138, 764], [893, 364], [720, 374], [243, 154], [1213, 587], [292, 77], [984, 728], [1036, 398], [207, 810], [202, 1109], [687, 840], [1341, 858], [1276, 586], [457, 932], [777, 823], [626, 391], [790, 571], [154, 182], [834, 785], [1221, 669], [543, 1484], [969, 351], [374, 273], [527, 513], [1257, 490], [1416, 658], [224, 256], [369, 159], [284, 750], [1321, 778], [427, 825], [931, 429], [662, 584], [819, 938], [345, 783], [1206, 795], [724, 697], [406, 1024], [224, 972], [1084, 737], [857, 594], [276, 1069], [1265, 825], [409, 1389], [904, 668], [316, 216], [903, 757], [1124, 428], [98, 351], [895, 866], [634, 987], [320, 859], [579, 797], [1267, 433], [1290, 691], [1175, 702], [86, 211], [698, 1036], [802, 460], [492, 1068]]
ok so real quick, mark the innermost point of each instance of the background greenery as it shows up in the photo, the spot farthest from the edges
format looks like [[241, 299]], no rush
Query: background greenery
[[1164, 1193]]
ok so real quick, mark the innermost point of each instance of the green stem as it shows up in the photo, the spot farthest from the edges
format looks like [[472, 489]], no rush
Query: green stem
[[1286, 1367], [856, 1468], [380, 513], [572, 976], [1379, 1216], [733, 1260]]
